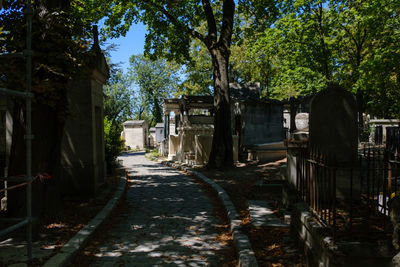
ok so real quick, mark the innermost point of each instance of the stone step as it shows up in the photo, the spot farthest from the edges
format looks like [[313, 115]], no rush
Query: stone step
[[261, 214]]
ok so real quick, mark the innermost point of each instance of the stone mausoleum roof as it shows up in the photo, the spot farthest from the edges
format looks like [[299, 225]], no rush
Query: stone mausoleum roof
[[134, 123]]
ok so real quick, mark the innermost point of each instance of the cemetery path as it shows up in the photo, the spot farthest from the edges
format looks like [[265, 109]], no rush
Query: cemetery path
[[169, 221]]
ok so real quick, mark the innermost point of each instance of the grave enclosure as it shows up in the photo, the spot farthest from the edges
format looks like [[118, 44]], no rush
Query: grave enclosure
[[329, 181]]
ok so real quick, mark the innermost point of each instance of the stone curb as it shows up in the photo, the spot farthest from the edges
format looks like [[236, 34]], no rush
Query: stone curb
[[69, 250], [242, 243]]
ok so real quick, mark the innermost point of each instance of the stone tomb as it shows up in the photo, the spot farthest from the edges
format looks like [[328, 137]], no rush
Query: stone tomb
[[333, 124], [255, 121], [159, 132], [135, 134], [152, 136], [82, 159], [190, 141], [334, 132], [6, 125]]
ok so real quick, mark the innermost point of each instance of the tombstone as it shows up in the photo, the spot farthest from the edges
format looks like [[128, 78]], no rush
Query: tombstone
[[334, 132], [333, 124]]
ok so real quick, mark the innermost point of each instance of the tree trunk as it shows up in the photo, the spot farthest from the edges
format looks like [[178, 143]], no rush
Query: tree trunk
[[222, 145]]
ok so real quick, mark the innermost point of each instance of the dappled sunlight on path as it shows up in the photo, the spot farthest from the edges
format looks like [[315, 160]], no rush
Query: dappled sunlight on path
[[169, 221]]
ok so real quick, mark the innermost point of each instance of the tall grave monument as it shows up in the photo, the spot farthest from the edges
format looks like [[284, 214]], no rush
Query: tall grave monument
[[333, 124], [334, 132]]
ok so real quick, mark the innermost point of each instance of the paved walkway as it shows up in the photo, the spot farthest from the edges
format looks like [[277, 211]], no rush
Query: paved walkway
[[169, 221]]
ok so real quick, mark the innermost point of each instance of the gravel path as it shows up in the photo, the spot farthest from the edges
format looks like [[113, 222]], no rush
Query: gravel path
[[169, 221]]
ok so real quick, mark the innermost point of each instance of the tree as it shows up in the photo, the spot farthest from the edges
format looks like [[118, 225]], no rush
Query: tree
[[118, 97], [198, 72], [171, 25], [155, 80], [369, 58]]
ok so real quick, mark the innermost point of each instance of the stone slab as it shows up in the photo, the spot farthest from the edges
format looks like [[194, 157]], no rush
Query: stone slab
[[261, 214]]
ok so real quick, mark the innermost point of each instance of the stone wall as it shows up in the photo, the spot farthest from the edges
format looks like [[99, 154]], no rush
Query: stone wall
[[203, 148], [82, 158], [173, 146], [6, 126], [134, 138], [261, 123]]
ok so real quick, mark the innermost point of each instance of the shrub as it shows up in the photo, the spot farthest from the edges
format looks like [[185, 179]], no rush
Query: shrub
[[113, 144]]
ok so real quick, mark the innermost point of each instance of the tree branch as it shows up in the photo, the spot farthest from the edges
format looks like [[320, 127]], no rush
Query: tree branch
[[176, 22], [212, 26], [228, 10]]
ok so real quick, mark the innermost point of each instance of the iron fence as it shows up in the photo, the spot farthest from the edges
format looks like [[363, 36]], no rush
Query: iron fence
[[353, 192], [316, 180], [378, 136]]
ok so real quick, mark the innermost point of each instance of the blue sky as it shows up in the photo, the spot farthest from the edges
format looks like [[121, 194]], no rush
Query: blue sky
[[131, 44]]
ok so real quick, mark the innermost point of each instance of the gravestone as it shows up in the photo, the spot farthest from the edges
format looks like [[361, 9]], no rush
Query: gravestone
[[333, 124]]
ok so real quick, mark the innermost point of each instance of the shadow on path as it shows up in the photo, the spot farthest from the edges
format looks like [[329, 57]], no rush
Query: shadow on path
[[169, 221]]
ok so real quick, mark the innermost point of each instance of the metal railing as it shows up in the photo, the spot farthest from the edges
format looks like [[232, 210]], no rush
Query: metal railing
[[378, 136], [316, 183], [27, 94], [347, 193]]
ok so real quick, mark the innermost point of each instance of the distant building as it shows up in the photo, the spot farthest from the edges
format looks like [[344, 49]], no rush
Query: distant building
[[152, 137], [135, 134], [159, 132]]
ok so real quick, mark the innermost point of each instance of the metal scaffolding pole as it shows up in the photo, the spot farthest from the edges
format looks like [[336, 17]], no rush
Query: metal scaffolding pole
[[27, 95], [29, 136]]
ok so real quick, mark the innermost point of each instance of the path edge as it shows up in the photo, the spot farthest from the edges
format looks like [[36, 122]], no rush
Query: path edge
[[245, 253], [80, 239]]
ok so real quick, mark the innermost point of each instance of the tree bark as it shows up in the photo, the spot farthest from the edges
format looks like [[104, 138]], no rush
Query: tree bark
[[222, 145], [221, 155]]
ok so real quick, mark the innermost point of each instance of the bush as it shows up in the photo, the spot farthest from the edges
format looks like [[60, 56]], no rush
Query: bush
[[113, 145]]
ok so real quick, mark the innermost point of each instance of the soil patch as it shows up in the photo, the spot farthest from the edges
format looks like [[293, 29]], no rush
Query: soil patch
[[54, 231], [272, 246]]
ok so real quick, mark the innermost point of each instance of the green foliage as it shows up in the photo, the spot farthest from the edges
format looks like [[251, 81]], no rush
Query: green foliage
[[117, 109], [313, 42], [118, 97], [198, 72], [113, 145], [60, 42], [156, 80]]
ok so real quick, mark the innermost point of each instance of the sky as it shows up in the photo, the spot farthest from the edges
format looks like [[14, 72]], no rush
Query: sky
[[131, 44]]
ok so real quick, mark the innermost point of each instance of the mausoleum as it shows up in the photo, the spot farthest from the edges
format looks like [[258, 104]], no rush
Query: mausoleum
[[135, 134]]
